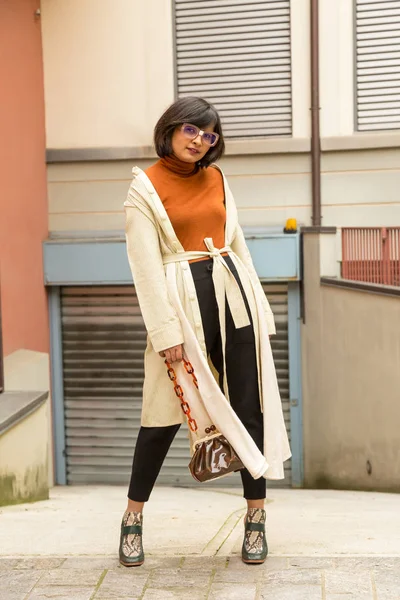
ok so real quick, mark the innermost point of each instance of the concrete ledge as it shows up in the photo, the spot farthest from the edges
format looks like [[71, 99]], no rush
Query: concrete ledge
[[361, 141], [318, 229], [233, 148], [16, 406], [62, 155], [360, 286], [284, 145]]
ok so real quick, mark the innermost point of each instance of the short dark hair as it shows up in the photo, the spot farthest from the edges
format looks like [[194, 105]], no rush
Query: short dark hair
[[196, 111]]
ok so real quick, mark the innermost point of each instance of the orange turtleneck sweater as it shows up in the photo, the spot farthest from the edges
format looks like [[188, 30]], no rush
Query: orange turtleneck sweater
[[195, 203]]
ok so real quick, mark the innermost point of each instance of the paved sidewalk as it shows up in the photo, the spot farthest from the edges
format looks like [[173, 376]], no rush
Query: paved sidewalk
[[324, 545]]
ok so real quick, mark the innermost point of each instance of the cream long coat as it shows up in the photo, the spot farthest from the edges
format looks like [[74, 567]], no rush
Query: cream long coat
[[171, 312]]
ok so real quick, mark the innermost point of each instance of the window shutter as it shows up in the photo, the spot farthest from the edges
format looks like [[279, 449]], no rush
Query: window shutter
[[236, 55], [378, 64]]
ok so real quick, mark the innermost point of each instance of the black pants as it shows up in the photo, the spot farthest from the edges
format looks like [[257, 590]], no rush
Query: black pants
[[241, 370]]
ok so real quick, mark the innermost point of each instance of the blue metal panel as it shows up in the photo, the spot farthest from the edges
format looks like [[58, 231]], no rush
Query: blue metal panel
[[295, 384], [85, 263], [105, 262], [276, 256], [57, 389]]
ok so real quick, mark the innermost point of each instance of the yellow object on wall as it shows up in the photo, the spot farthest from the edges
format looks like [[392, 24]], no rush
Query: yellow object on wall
[[291, 226]]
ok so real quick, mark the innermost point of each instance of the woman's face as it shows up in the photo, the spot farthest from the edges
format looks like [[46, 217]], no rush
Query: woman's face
[[190, 150]]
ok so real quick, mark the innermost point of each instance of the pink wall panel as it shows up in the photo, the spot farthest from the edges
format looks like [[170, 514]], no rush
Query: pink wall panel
[[23, 195]]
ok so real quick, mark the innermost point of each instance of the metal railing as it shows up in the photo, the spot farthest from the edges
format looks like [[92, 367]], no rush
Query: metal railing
[[371, 254]]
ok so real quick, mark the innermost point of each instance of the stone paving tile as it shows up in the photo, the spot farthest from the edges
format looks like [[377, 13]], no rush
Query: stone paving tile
[[343, 582], [122, 584], [197, 563], [60, 593], [135, 594], [177, 577], [18, 581], [253, 574], [72, 577], [367, 562], [291, 592], [387, 562], [40, 563], [275, 563], [175, 594], [88, 563], [7, 564], [293, 577], [311, 562], [350, 596], [387, 584], [231, 591], [13, 595], [158, 562], [235, 563]]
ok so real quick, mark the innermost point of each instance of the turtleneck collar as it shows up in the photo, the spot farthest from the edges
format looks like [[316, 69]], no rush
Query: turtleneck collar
[[177, 166]]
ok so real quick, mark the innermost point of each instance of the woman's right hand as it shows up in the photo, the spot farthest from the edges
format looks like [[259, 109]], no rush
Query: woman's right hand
[[173, 354]]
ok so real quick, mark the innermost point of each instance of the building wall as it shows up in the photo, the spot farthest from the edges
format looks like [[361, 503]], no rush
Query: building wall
[[23, 196], [359, 188], [24, 475], [117, 72], [27, 370], [117, 77], [351, 351], [109, 74], [336, 67], [108, 71]]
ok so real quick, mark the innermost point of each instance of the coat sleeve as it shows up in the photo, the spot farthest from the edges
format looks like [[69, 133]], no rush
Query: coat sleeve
[[145, 259], [239, 247]]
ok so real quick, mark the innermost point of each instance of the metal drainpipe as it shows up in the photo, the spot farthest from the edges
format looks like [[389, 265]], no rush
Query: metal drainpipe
[[315, 125]]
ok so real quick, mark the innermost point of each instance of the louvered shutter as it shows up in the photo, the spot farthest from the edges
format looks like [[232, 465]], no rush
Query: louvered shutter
[[378, 64], [236, 54], [277, 294], [103, 340]]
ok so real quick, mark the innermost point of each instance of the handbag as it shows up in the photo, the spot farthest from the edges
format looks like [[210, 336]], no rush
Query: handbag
[[213, 456]]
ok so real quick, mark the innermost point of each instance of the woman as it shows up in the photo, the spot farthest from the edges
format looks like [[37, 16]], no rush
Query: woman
[[200, 295]]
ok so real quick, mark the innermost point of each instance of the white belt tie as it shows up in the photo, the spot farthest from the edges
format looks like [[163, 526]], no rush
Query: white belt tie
[[225, 286]]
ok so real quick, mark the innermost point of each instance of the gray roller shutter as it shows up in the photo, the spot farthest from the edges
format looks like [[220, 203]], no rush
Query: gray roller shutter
[[378, 64], [277, 295], [236, 54], [103, 346]]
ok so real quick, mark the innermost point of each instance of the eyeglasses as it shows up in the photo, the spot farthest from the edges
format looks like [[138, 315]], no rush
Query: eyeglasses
[[191, 132]]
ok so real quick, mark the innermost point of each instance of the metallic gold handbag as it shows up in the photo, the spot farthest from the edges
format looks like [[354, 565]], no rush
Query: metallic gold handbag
[[213, 455]]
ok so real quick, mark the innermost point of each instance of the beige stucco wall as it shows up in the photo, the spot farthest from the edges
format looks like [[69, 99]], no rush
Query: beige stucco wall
[[336, 67], [26, 370], [24, 459], [90, 196], [359, 188], [109, 74], [351, 384], [108, 70]]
